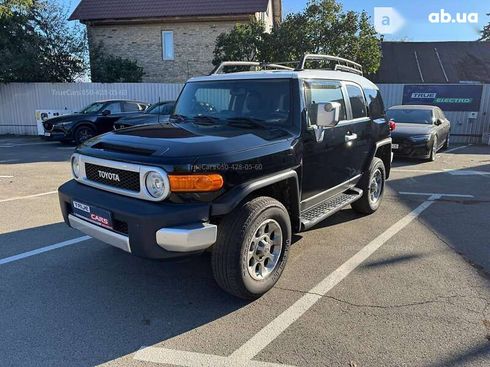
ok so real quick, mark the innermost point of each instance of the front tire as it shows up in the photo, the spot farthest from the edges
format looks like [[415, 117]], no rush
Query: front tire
[[372, 185], [252, 248], [83, 133], [433, 150]]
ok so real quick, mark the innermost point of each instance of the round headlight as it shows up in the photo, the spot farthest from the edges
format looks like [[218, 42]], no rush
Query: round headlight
[[155, 184], [75, 166]]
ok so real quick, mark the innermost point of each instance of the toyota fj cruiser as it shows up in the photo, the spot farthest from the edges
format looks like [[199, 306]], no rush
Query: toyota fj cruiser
[[247, 159]]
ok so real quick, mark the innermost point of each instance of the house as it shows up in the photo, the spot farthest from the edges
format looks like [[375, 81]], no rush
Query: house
[[434, 62], [171, 39]]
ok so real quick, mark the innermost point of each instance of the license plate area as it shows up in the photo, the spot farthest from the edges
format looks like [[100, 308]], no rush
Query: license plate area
[[395, 146], [93, 214], [47, 134]]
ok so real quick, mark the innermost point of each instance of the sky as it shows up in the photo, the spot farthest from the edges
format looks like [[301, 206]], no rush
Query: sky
[[410, 22]]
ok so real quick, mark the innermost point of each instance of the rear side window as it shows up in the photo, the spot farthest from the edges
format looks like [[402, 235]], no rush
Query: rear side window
[[114, 107], [131, 107], [357, 102], [322, 91], [376, 106]]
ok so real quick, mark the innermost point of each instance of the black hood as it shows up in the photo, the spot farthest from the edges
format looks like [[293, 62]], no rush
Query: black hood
[[407, 130], [68, 118], [186, 142]]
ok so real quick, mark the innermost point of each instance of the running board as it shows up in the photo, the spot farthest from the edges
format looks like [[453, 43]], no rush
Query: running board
[[325, 209]]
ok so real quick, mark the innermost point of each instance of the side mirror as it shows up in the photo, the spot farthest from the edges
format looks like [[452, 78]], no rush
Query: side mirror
[[327, 114], [106, 113], [438, 122]]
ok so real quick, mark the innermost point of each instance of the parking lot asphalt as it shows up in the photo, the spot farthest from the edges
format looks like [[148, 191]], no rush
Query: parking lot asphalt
[[407, 286]]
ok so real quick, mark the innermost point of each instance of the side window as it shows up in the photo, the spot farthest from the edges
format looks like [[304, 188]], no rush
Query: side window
[[323, 91], [357, 102], [131, 107], [376, 107], [114, 107]]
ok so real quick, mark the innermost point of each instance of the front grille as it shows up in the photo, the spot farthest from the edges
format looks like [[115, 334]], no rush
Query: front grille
[[121, 227], [126, 180]]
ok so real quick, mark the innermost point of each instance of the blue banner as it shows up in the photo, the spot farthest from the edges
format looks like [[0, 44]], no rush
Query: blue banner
[[450, 97]]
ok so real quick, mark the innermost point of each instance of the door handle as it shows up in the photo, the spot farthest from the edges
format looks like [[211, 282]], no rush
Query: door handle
[[350, 137]]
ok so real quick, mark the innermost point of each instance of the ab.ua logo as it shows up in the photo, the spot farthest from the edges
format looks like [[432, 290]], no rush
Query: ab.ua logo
[[387, 20], [444, 17]]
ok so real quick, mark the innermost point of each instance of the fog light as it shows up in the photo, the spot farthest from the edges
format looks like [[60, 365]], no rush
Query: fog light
[[75, 166], [155, 184]]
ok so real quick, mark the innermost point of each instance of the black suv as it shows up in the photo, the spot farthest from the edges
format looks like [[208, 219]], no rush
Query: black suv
[[95, 119], [248, 159]]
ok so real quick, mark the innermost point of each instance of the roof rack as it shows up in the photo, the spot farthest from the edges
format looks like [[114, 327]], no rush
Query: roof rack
[[340, 63], [257, 65]]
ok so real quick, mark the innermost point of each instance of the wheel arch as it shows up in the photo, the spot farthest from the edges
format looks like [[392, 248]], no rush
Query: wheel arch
[[282, 186], [383, 151]]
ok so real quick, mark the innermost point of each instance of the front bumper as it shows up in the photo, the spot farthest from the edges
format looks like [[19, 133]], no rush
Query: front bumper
[[412, 150], [146, 229]]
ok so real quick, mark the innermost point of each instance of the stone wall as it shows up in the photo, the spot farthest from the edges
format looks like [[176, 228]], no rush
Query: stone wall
[[193, 46]]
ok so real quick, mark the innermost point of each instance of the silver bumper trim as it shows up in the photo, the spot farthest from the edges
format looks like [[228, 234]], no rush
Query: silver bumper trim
[[193, 237], [102, 234]]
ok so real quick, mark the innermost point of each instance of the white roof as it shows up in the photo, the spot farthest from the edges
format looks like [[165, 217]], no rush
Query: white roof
[[286, 74]]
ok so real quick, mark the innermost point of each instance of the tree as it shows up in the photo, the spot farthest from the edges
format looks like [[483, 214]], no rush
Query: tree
[[244, 42], [38, 45], [485, 33], [322, 27], [107, 68]]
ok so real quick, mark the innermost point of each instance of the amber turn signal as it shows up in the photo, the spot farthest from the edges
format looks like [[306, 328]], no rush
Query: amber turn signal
[[195, 183]]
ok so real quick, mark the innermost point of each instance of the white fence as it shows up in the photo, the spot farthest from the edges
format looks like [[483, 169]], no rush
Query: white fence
[[19, 101]]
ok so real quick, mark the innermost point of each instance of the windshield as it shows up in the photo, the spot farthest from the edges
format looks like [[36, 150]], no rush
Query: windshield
[[92, 108], [160, 109], [237, 102], [410, 116]]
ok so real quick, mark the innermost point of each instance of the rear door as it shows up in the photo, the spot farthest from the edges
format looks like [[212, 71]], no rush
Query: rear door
[[106, 123], [358, 131]]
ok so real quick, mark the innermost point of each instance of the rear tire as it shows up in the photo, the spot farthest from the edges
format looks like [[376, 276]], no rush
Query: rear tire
[[252, 248], [83, 133], [372, 185]]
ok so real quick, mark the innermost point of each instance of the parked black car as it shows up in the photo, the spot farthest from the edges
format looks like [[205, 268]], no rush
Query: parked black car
[[421, 131], [156, 113], [95, 119], [248, 159]]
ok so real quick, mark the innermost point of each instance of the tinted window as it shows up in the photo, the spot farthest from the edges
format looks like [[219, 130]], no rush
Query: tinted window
[[376, 107], [320, 91], [131, 107], [161, 109], [267, 100], [410, 116], [94, 107], [357, 101], [113, 107]]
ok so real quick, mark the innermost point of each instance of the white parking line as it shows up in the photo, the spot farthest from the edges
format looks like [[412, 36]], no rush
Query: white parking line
[[6, 176], [417, 170], [28, 196], [435, 194], [41, 250], [457, 148], [243, 355]]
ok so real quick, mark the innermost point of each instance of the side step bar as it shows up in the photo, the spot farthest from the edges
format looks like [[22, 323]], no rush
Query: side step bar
[[325, 209]]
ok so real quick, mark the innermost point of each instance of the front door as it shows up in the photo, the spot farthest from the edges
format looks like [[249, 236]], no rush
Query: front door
[[335, 158]]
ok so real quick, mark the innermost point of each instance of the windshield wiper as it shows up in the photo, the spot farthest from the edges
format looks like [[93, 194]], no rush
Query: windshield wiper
[[205, 120], [246, 122]]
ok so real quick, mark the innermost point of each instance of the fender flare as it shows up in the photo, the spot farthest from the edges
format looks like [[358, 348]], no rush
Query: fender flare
[[235, 196]]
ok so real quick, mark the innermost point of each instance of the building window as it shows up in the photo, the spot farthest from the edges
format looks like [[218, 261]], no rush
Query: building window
[[168, 45]]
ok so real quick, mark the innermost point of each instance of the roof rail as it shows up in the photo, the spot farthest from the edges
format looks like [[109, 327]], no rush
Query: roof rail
[[257, 65], [340, 63]]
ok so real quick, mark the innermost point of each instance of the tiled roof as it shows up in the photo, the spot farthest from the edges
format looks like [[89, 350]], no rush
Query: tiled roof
[[129, 9]]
